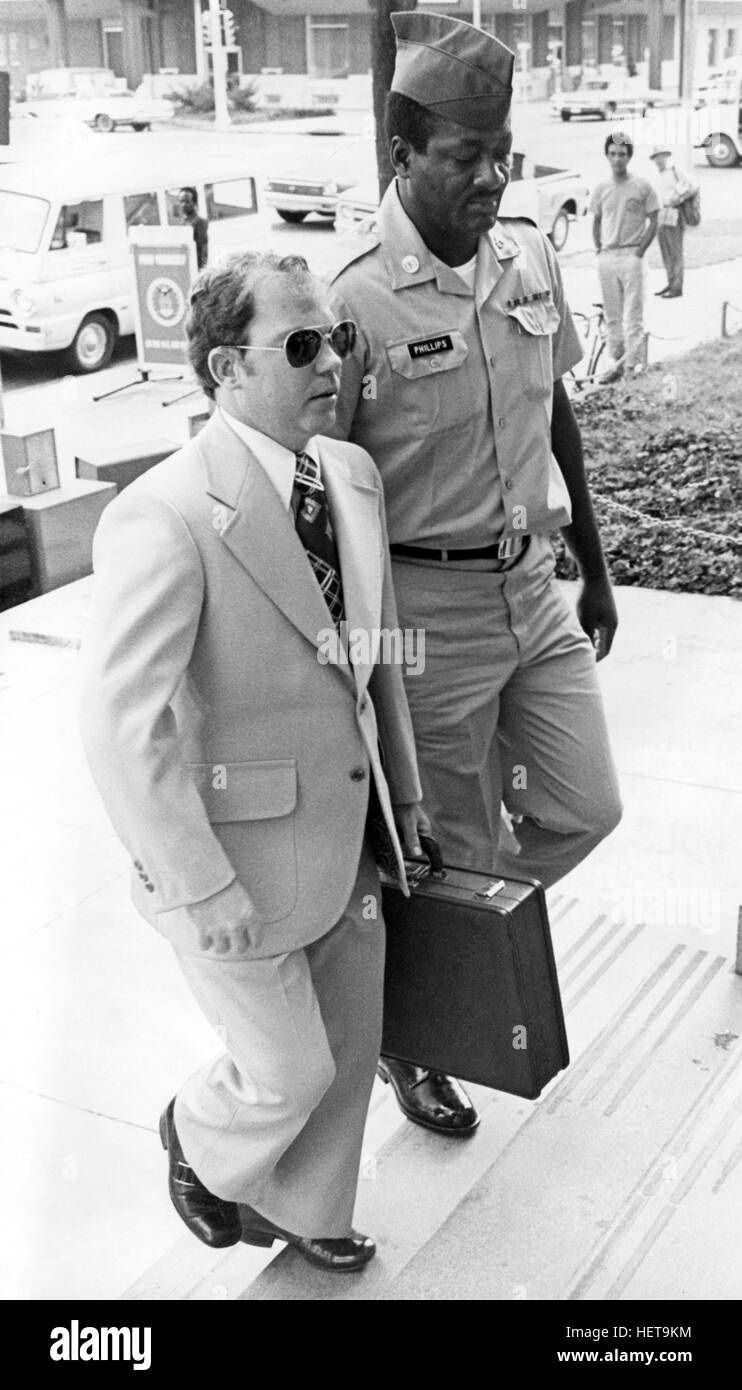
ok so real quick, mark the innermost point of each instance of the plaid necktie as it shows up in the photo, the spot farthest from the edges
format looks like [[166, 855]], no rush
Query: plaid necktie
[[314, 529]]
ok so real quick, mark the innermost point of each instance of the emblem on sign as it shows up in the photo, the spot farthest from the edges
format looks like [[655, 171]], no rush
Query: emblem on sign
[[165, 301]]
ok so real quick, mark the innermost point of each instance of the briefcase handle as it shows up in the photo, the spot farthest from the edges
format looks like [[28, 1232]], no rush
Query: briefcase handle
[[433, 851]]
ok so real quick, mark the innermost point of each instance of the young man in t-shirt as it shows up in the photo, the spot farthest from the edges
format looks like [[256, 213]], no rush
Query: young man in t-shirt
[[624, 210]]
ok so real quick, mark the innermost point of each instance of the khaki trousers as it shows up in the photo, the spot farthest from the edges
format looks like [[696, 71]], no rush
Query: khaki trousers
[[507, 711], [277, 1121], [671, 247], [622, 283]]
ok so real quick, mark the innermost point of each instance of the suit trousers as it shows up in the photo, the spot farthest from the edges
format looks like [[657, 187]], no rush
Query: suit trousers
[[622, 282], [507, 711], [277, 1121], [671, 247]]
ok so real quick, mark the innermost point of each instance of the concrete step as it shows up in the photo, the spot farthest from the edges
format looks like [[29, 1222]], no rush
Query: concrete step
[[620, 1181]]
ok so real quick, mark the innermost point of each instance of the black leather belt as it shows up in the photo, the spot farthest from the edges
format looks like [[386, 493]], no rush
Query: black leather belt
[[503, 552]]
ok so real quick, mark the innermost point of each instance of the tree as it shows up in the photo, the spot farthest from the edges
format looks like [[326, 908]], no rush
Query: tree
[[383, 54]]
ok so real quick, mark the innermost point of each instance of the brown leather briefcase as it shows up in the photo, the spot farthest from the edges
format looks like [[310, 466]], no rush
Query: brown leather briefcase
[[471, 986]]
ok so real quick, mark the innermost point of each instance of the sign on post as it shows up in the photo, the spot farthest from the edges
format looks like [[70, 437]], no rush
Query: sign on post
[[164, 270]]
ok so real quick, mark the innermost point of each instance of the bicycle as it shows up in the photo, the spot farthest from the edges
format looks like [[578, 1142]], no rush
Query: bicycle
[[592, 328]]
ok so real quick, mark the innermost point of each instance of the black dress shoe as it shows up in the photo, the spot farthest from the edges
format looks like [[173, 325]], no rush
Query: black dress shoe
[[674, 294], [215, 1222], [429, 1098], [339, 1255], [659, 294]]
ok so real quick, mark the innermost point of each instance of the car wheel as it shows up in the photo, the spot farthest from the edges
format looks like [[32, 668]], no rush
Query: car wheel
[[140, 125], [290, 215], [560, 229], [104, 122], [92, 346], [722, 152], [566, 115]]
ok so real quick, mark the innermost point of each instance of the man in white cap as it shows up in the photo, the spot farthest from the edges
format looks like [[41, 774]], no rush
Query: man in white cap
[[454, 388], [673, 186]]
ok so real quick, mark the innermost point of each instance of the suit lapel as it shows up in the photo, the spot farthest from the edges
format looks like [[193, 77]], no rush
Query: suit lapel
[[258, 530], [354, 509]]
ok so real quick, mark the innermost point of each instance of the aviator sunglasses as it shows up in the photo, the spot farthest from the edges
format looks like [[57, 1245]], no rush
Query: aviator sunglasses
[[301, 347]]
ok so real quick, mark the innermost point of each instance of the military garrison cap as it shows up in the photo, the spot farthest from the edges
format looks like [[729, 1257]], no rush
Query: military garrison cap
[[452, 69]]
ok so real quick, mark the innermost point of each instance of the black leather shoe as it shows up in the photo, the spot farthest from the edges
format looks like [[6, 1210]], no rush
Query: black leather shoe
[[674, 294], [339, 1255], [215, 1222], [429, 1098], [660, 294]]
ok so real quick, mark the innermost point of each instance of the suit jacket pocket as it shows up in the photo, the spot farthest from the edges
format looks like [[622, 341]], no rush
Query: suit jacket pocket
[[252, 809]]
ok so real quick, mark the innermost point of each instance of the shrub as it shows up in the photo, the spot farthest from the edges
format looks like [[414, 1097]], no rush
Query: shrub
[[197, 98], [242, 98], [666, 483]]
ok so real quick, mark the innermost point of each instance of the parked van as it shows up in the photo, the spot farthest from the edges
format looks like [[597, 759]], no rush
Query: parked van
[[66, 270], [718, 129]]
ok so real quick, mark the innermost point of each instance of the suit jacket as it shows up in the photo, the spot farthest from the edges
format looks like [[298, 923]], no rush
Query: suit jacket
[[224, 734]]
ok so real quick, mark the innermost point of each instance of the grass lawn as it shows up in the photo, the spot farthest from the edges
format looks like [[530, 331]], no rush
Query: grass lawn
[[668, 446]]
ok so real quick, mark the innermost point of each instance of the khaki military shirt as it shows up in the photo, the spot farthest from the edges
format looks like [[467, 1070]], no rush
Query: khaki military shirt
[[450, 389]]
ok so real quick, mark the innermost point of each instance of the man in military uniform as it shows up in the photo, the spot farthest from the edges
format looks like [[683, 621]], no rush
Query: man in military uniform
[[454, 388]]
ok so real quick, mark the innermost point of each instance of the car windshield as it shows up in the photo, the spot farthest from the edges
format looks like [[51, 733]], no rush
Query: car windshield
[[22, 219]]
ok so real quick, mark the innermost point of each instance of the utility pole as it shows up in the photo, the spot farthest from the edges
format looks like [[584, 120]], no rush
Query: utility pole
[[476, 13], [688, 39], [222, 117], [383, 56]]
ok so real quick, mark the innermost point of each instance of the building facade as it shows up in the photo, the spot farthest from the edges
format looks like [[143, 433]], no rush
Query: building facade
[[132, 37], [331, 39]]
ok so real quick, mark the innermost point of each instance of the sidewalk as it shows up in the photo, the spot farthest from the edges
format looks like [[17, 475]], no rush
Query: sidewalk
[[624, 1177], [675, 325]]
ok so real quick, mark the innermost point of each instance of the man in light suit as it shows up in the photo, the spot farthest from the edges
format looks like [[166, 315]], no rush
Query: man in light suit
[[235, 750]]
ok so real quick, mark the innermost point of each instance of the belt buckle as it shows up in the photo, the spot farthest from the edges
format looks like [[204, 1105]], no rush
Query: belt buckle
[[506, 547]]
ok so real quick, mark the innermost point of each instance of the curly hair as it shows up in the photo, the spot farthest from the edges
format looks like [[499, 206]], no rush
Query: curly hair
[[222, 305]]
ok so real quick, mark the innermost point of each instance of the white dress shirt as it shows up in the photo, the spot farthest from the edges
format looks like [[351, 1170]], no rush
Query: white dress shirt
[[274, 458]]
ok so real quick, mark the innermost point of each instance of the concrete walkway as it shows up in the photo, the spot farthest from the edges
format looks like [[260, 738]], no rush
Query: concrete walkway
[[623, 1180], [674, 325]]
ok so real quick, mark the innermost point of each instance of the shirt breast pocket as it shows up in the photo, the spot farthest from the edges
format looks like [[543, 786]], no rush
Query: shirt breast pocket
[[431, 380], [533, 327]]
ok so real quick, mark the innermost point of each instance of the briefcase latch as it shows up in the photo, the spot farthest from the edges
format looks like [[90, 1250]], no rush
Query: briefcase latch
[[415, 871], [491, 890]]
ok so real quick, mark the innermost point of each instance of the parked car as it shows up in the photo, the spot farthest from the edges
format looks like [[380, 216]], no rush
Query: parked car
[[720, 85], [66, 270], [92, 95], [103, 111], [298, 192], [599, 97], [552, 197], [70, 82], [718, 130]]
